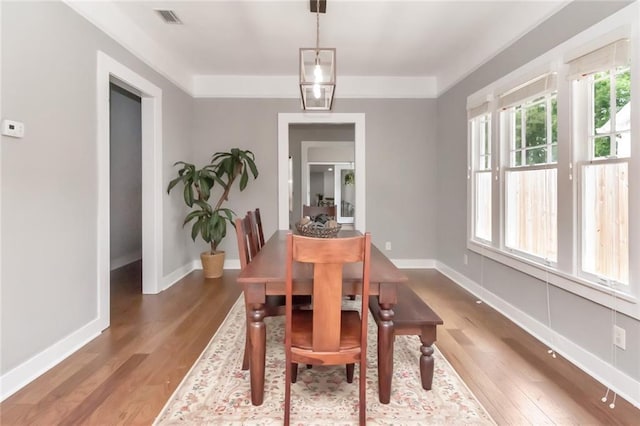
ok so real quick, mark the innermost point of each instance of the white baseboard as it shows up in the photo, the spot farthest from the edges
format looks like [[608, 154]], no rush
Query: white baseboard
[[23, 374], [195, 264], [414, 263], [128, 258], [180, 273], [619, 382]]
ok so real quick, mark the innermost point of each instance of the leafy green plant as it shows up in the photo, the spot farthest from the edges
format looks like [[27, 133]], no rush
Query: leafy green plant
[[210, 220], [349, 178]]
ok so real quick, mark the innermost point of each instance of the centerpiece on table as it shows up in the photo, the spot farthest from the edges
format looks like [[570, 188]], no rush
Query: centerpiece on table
[[320, 226]]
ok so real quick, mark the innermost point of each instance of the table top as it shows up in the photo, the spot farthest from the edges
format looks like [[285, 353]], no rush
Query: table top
[[270, 265]]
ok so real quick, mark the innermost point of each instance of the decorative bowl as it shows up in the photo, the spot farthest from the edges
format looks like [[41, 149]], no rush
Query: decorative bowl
[[318, 230]]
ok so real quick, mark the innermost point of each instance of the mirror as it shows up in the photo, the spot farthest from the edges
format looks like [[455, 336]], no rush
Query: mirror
[[330, 154], [331, 184]]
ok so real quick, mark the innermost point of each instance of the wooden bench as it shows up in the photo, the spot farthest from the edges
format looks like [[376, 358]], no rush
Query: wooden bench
[[413, 317]]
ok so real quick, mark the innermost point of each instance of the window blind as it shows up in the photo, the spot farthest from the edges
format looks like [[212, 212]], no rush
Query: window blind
[[537, 87], [477, 110], [607, 57]]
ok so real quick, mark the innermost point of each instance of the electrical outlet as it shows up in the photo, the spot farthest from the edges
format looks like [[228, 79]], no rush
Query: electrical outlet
[[465, 259], [387, 245], [620, 337]]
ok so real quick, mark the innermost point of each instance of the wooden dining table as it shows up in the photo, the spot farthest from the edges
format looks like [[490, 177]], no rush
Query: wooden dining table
[[265, 275]]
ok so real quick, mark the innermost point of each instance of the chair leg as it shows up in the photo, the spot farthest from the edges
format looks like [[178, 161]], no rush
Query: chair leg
[[294, 372], [287, 393], [350, 368], [363, 392]]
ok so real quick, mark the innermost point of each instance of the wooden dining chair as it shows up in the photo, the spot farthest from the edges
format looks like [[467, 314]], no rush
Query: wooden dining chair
[[312, 211], [257, 221], [248, 247], [328, 335]]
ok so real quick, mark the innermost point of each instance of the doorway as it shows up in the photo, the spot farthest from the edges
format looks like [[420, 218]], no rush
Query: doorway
[[110, 71], [285, 120], [125, 184]]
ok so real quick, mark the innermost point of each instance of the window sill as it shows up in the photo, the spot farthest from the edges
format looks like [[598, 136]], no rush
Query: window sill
[[622, 302]]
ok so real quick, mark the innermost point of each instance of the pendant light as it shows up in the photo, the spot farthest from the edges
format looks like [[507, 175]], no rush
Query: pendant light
[[317, 73]]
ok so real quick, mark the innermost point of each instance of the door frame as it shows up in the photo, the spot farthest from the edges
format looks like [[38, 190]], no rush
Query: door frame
[[284, 121], [338, 193], [111, 71]]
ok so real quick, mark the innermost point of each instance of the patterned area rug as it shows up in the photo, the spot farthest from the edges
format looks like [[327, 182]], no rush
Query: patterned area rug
[[216, 391]]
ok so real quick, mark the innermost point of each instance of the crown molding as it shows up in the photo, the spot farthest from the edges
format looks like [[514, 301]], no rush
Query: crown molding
[[286, 86], [108, 18]]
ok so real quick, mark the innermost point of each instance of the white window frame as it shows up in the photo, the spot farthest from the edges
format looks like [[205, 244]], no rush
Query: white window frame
[[585, 156], [565, 274], [544, 87], [477, 126]]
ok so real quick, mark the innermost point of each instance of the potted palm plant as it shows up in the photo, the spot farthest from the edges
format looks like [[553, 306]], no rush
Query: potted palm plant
[[210, 220]]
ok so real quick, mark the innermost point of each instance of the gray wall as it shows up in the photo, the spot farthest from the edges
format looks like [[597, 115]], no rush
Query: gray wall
[[400, 160], [125, 148], [49, 178], [583, 322]]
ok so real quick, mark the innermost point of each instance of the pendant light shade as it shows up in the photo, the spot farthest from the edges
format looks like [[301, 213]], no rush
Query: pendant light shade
[[317, 78]]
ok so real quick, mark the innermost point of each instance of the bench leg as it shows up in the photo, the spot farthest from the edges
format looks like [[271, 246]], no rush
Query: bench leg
[[427, 337], [385, 353]]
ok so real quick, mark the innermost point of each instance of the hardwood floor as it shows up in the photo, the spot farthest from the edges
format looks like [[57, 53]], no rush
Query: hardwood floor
[[126, 374]]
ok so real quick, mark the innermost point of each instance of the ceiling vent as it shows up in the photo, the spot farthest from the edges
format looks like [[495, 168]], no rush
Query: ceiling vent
[[169, 16]]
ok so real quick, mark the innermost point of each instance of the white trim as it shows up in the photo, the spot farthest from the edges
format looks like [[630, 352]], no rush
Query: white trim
[[1, 185], [619, 382], [194, 265], [623, 302], [287, 87], [609, 29], [23, 374], [151, 104], [180, 273], [113, 22], [414, 263], [284, 120]]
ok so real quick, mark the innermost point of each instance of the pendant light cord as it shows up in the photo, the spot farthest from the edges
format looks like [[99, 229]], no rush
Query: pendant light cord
[[317, 29]]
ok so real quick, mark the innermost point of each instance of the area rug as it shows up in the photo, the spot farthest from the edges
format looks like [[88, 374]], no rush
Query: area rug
[[216, 391]]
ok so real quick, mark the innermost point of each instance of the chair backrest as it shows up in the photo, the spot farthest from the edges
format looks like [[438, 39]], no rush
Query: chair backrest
[[328, 256], [312, 211], [257, 220], [247, 240]]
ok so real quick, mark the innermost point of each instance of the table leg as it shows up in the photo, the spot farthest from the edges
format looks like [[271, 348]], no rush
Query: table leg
[[385, 352], [257, 336]]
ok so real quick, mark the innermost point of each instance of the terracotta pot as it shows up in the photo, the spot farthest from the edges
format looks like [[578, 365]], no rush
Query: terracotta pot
[[212, 264]]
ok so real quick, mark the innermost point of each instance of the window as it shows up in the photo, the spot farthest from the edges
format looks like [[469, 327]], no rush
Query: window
[[603, 135], [481, 146], [553, 166], [530, 137]]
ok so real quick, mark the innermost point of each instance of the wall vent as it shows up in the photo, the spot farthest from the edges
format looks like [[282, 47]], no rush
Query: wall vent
[[169, 16]]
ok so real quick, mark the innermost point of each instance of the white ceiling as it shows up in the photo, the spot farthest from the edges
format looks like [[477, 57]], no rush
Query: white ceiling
[[432, 44]]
